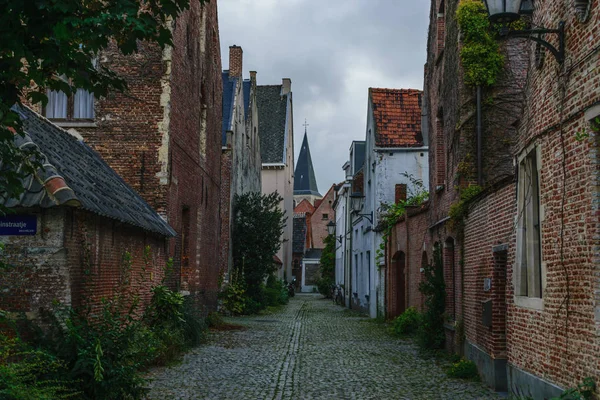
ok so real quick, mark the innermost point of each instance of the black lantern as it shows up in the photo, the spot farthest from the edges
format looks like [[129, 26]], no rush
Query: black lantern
[[503, 11], [331, 228], [357, 201], [506, 11]]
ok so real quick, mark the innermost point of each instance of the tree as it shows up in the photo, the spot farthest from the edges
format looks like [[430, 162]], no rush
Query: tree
[[257, 229], [52, 45], [327, 266]]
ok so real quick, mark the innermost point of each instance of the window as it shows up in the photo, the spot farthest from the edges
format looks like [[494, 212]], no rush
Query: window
[[529, 266], [78, 106], [325, 216]]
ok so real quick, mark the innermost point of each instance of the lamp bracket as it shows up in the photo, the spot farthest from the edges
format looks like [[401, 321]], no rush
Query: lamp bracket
[[368, 216], [535, 35]]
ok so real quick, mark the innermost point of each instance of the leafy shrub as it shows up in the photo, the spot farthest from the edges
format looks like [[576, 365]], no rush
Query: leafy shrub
[[194, 328], [252, 307], [28, 374], [406, 323], [463, 369], [431, 335], [276, 292], [214, 319], [583, 391], [234, 297], [324, 286]]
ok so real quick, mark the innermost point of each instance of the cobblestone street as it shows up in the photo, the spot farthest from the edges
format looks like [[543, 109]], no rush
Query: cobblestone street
[[311, 349]]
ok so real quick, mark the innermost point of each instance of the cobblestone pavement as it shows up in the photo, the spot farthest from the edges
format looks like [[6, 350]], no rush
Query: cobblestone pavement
[[311, 349]]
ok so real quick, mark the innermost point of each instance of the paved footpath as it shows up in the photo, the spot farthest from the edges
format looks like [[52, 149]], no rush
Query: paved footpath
[[311, 349]]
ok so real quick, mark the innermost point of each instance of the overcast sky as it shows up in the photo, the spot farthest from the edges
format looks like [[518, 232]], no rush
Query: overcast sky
[[333, 51]]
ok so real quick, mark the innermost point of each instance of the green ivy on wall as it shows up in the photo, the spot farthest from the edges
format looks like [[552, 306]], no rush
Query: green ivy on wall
[[391, 213], [480, 53]]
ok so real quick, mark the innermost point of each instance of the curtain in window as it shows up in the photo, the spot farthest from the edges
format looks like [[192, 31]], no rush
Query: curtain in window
[[57, 104], [83, 106]]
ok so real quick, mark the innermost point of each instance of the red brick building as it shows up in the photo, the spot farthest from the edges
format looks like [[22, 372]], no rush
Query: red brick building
[[163, 136], [79, 226], [521, 291]]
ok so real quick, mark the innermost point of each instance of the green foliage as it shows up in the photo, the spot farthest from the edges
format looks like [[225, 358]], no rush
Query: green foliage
[[459, 210], [327, 267], [214, 320], [257, 229], [583, 391], [276, 293], [100, 349], [234, 297], [480, 54], [430, 334], [406, 323], [53, 45], [391, 213], [31, 374], [463, 369]]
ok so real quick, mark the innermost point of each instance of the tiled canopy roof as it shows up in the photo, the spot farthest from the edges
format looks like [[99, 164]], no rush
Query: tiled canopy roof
[[397, 117], [272, 110], [75, 175]]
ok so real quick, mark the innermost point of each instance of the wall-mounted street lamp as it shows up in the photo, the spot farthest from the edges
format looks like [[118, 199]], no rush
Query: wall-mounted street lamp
[[357, 202], [507, 11], [331, 231]]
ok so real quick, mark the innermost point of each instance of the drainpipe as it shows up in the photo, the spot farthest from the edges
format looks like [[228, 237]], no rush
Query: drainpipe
[[479, 170]]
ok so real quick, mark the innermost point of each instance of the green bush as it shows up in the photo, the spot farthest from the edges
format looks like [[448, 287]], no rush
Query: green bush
[[214, 319], [431, 335], [29, 374], [324, 286], [276, 292], [406, 323], [463, 369], [234, 297]]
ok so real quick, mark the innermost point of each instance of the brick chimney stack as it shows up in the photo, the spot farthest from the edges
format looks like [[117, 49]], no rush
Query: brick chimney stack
[[235, 61], [253, 77], [286, 86]]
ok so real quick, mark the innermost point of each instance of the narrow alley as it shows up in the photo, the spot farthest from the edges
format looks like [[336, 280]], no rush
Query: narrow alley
[[310, 349]]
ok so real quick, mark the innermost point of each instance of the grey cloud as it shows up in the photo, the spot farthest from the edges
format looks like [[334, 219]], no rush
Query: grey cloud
[[333, 50]]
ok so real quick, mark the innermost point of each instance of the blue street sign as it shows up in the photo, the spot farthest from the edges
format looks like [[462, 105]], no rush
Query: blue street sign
[[18, 225]]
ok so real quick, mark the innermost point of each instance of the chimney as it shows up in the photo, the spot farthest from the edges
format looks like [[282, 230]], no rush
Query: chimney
[[253, 78], [400, 192], [286, 86], [235, 61]]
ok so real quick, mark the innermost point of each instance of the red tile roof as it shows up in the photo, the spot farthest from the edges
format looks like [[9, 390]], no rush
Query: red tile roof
[[397, 117], [304, 207]]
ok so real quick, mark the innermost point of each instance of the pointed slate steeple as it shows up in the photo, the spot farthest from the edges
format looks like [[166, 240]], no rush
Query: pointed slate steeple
[[305, 182]]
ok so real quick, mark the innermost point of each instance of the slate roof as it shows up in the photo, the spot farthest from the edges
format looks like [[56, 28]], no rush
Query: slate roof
[[229, 85], [397, 117], [272, 109], [75, 175], [304, 175], [299, 235]]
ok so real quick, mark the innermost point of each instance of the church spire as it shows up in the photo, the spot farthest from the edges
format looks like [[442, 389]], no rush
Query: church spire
[[305, 182]]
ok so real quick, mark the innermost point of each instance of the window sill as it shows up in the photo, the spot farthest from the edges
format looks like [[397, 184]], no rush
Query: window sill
[[533, 303], [75, 124]]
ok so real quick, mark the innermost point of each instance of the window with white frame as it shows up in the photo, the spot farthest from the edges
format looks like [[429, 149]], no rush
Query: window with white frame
[[528, 272], [62, 107]]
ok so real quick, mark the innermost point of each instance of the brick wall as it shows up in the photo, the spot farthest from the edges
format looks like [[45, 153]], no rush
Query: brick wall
[[225, 211], [560, 342], [410, 237], [77, 258], [164, 138], [318, 224]]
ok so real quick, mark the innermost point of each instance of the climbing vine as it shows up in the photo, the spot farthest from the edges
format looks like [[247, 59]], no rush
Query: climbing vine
[[480, 53], [460, 210], [391, 213]]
